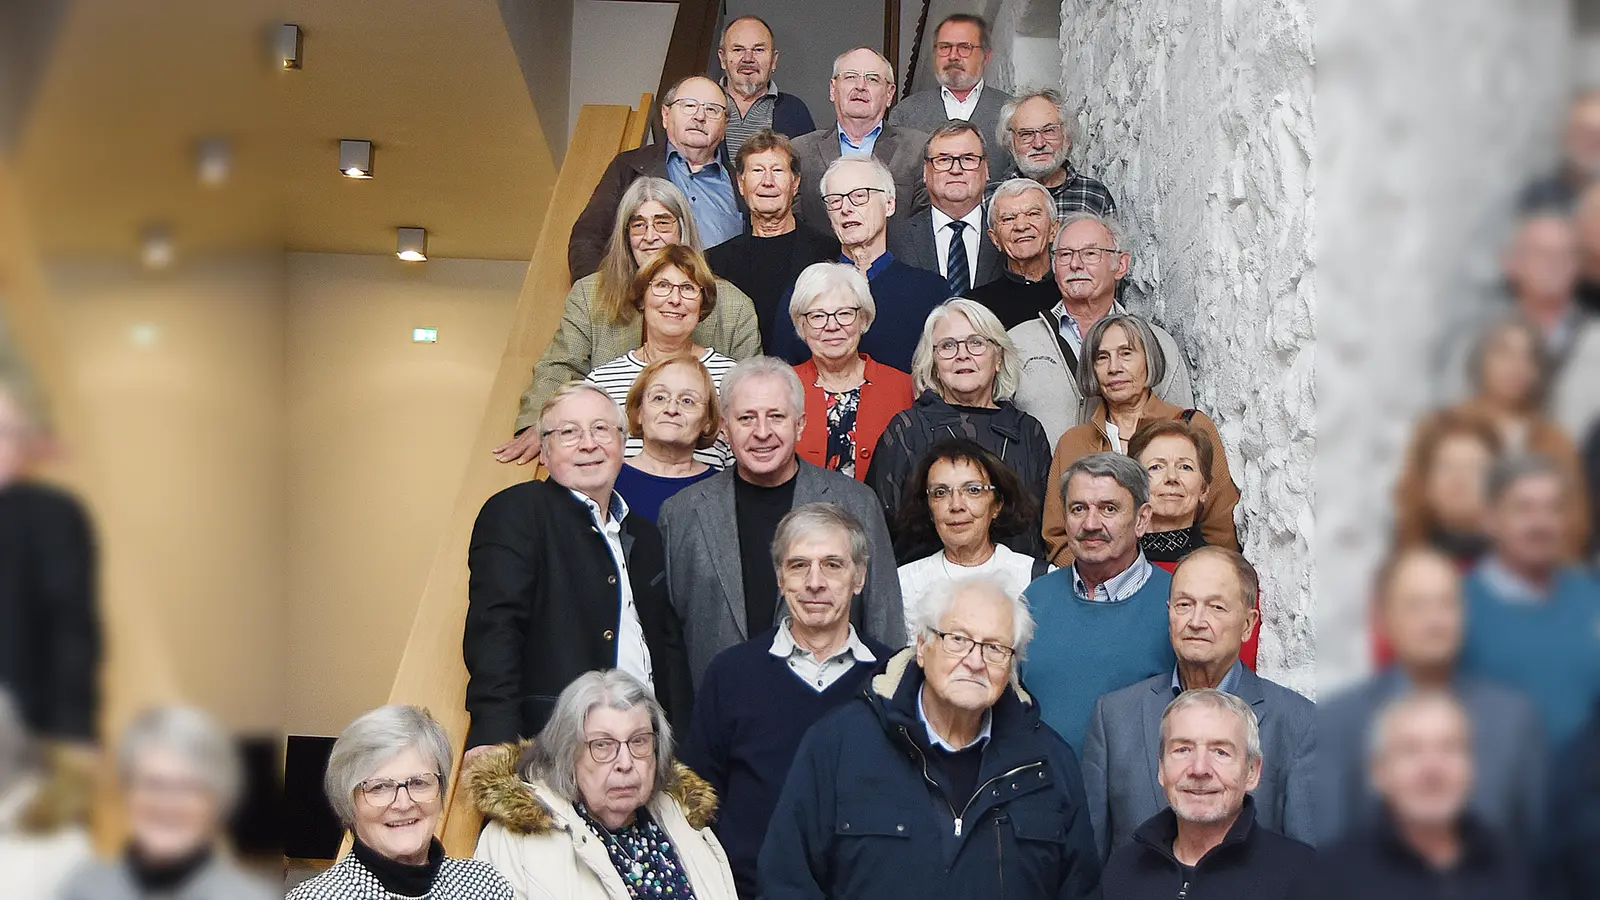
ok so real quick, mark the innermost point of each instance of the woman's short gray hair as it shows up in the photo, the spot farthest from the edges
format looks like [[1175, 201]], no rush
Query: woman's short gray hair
[[924, 377], [553, 758], [192, 735], [572, 389], [822, 278], [374, 738], [1113, 226], [1211, 698], [937, 602], [880, 173], [1123, 468], [1013, 187], [809, 518], [1139, 332], [764, 367], [1068, 115]]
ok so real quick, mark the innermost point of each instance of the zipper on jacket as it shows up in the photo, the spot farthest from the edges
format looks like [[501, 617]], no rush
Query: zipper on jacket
[[1183, 892], [929, 778], [979, 792]]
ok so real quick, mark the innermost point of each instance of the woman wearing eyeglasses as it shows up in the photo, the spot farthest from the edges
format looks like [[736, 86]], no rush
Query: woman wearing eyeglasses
[[966, 368], [596, 807], [672, 408], [850, 397]]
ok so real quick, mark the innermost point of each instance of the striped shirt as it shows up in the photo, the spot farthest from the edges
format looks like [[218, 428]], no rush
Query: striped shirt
[[1119, 587], [742, 127], [617, 376]]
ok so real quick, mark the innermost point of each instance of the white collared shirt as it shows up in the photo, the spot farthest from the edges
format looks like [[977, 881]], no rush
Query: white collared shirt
[[819, 675], [633, 652], [969, 236], [961, 109]]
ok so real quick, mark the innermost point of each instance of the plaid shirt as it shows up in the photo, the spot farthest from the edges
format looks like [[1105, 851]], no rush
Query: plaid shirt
[[1079, 193]]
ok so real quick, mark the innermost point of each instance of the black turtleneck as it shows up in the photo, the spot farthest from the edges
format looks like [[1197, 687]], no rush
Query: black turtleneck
[[398, 877], [167, 876]]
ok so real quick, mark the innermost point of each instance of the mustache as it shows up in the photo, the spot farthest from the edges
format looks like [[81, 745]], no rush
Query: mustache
[[1097, 535]]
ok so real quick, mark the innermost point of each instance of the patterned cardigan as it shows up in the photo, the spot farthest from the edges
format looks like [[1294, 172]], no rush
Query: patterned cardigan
[[458, 879]]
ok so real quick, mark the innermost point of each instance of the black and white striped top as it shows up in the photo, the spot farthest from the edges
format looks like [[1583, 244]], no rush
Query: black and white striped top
[[617, 376]]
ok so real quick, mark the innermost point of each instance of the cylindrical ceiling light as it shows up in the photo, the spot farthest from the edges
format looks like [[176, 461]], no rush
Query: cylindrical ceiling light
[[155, 247], [213, 161], [412, 245], [288, 45], [355, 159]]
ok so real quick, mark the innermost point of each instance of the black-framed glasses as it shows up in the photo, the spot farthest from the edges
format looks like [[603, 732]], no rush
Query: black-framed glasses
[[858, 197], [818, 318], [640, 746], [690, 107], [959, 645], [947, 163], [972, 490], [1090, 256], [962, 50], [384, 791], [1050, 133], [604, 433], [950, 348], [663, 288]]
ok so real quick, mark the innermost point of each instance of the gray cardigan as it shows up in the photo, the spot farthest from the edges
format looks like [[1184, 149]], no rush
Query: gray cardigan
[[219, 880]]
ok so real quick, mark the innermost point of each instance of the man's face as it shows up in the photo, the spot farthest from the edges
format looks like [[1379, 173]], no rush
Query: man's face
[[588, 466], [959, 56], [1023, 225], [1582, 143], [862, 89], [955, 171], [1102, 522], [748, 57], [763, 426], [698, 116], [1039, 143], [1528, 523], [769, 183], [1543, 260], [967, 682], [818, 578], [1421, 612], [1207, 617], [1088, 278], [857, 225], [1423, 769], [1205, 770]]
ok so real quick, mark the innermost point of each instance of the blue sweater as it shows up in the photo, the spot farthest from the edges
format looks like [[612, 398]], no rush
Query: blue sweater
[[1550, 650], [904, 296], [749, 716], [1083, 650]]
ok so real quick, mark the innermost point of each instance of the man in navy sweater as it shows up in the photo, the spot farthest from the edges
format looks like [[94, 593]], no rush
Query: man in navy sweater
[[759, 697]]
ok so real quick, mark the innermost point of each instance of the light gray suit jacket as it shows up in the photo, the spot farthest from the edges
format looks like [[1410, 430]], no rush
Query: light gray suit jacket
[[912, 241], [1122, 750], [898, 148], [924, 111], [699, 530]]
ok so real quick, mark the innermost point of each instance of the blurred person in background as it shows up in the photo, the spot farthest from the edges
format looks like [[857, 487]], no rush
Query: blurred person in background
[[1586, 219], [386, 781], [1570, 866], [1418, 615], [44, 836], [1439, 496], [181, 778], [1427, 844], [1580, 158], [672, 409]]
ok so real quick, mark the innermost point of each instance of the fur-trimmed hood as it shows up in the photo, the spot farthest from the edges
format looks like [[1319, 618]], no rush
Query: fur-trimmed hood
[[502, 796]]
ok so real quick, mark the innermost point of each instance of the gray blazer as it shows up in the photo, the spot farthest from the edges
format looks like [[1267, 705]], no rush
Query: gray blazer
[[1121, 752], [898, 148], [924, 111], [705, 581], [911, 240]]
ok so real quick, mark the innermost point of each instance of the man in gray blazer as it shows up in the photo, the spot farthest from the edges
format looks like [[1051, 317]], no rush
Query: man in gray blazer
[[950, 238], [718, 533], [961, 53], [1210, 612], [861, 88]]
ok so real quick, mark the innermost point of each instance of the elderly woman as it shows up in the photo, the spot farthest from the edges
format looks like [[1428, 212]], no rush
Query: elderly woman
[[1117, 368], [846, 390], [180, 777], [960, 498], [600, 322], [965, 370], [673, 411], [1441, 495], [673, 293], [386, 782], [596, 807]]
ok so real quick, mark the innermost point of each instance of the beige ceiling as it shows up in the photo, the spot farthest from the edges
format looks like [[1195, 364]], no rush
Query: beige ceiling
[[434, 84]]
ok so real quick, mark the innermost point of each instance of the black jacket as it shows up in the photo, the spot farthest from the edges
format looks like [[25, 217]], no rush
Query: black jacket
[[50, 644], [1376, 865], [746, 262], [1250, 862], [544, 606], [1570, 861]]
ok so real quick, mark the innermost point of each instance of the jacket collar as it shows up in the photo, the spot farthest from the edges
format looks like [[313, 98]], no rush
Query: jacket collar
[[1160, 830], [894, 691], [1006, 422], [1479, 845], [1155, 410]]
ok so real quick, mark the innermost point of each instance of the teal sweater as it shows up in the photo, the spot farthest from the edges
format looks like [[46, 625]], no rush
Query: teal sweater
[[1083, 650]]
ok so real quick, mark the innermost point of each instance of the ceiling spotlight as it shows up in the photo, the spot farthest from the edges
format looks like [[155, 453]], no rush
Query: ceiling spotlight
[[288, 46], [355, 159], [412, 245], [155, 247], [214, 160]]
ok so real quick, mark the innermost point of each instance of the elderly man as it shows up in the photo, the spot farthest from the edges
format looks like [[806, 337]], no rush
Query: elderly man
[[1103, 619], [947, 238], [563, 580], [1090, 257], [1038, 129], [938, 781], [961, 52], [1022, 224], [694, 113], [765, 261], [1580, 163], [1419, 617], [1532, 621], [748, 55], [861, 89], [719, 532], [1211, 612], [1210, 843], [759, 697], [860, 196], [1542, 267]]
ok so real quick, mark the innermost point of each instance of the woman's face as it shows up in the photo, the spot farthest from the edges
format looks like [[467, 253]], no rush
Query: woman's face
[[403, 829], [173, 811], [1454, 490], [833, 341], [615, 788], [671, 305], [1510, 368], [674, 407], [651, 227], [965, 377], [1177, 485], [1120, 367], [966, 512]]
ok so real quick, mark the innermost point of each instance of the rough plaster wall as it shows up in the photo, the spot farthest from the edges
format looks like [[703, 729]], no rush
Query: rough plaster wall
[[1197, 113]]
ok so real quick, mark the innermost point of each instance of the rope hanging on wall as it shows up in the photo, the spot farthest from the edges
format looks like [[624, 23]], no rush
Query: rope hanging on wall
[[916, 47]]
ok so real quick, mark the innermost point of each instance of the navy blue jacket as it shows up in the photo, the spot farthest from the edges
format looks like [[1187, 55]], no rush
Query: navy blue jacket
[[1251, 861], [862, 817], [791, 117]]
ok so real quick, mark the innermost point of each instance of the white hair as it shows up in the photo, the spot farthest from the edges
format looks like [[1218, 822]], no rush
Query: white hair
[[937, 602], [195, 737], [764, 367], [880, 174], [374, 738], [572, 389], [822, 278], [554, 756], [1064, 110], [1112, 225], [1013, 187], [924, 377], [1221, 702]]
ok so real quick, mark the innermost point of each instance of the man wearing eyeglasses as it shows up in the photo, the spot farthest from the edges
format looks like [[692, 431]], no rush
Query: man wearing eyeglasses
[[748, 55], [564, 581], [1038, 130], [961, 52], [940, 780], [694, 114], [861, 90], [948, 237]]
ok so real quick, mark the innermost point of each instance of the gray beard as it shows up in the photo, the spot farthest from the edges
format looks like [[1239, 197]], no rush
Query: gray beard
[[1029, 169]]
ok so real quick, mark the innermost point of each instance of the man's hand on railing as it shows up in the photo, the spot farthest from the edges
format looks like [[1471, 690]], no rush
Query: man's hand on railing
[[522, 449]]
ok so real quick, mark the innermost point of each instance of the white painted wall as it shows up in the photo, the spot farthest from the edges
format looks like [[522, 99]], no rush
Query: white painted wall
[[618, 49]]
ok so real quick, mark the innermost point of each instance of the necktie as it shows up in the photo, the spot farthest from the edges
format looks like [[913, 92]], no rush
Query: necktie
[[956, 271]]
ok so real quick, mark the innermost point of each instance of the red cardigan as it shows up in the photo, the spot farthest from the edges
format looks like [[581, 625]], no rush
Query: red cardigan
[[1247, 650], [887, 392]]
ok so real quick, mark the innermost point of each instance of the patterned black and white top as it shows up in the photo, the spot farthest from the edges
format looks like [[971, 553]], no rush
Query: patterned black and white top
[[458, 879]]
